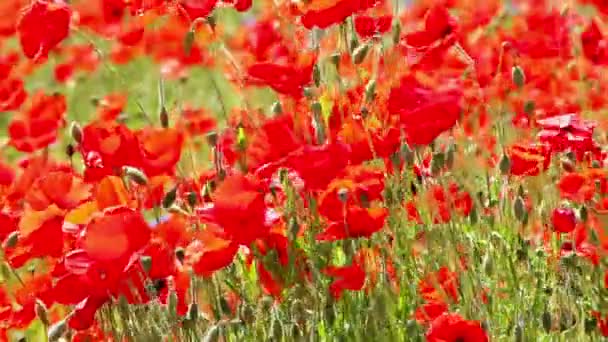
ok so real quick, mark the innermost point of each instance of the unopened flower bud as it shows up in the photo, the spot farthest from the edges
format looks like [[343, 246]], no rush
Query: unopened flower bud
[[505, 164], [193, 312], [189, 41], [57, 330], [146, 262], [518, 76], [169, 198], [11, 240], [41, 312], [519, 209], [360, 53], [135, 174], [276, 108], [164, 117], [316, 75], [370, 90], [546, 321], [76, 132]]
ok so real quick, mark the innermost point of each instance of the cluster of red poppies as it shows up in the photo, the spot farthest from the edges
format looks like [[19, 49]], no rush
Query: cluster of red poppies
[[431, 116]]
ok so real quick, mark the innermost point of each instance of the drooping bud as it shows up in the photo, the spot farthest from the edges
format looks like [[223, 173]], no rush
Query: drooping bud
[[135, 174], [57, 330], [212, 138], [343, 195], [370, 90], [360, 53], [518, 76], [11, 240], [146, 262], [193, 312], [276, 108], [41, 312], [519, 209], [169, 198], [189, 41], [164, 117], [396, 32], [76, 132], [488, 265], [504, 165], [316, 75]]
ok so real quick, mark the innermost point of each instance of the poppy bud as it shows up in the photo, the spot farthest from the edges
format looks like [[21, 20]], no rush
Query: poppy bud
[[76, 132], [488, 265], [11, 240], [450, 156], [193, 312], [335, 59], [164, 117], [146, 262], [57, 330], [189, 42], [343, 195], [437, 163], [518, 76], [316, 75], [180, 254], [212, 138], [192, 198], [370, 90], [41, 312], [172, 302], [529, 107], [135, 174], [396, 32], [583, 213], [360, 53], [169, 198], [505, 164], [519, 209], [276, 108], [563, 220], [69, 150]]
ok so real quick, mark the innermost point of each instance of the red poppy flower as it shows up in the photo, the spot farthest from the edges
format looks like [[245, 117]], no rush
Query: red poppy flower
[[40, 235], [424, 113], [595, 45], [239, 209], [197, 121], [563, 220], [307, 160], [12, 94], [197, 8], [115, 235], [428, 312], [368, 26], [528, 160], [111, 106], [36, 127], [323, 14], [351, 278], [451, 327], [210, 253], [285, 79], [359, 222], [63, 189], [43, 25], [567, 131], [106, 147], [438, 25], [160, 150], [447, 281]]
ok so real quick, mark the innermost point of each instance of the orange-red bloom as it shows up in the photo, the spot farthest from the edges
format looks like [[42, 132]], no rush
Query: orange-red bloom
[[43, 25]]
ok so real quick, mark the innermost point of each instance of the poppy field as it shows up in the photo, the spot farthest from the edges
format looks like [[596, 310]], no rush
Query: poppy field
[[316, 170]]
